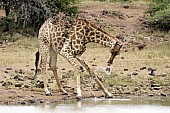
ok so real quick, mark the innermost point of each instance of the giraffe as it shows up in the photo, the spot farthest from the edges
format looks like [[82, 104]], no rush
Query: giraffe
[[71, 43]]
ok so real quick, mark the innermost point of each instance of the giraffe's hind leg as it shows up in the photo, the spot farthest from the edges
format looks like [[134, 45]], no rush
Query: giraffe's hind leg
[[53, 61], [44, 55]]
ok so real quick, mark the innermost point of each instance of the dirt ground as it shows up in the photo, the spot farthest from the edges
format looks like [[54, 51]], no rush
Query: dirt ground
[[17, 85]]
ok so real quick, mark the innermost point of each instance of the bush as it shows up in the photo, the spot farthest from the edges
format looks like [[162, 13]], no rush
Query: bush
[[159, 11], [30, 14]]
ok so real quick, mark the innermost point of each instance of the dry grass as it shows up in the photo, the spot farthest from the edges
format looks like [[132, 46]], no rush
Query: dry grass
[[21, 54]]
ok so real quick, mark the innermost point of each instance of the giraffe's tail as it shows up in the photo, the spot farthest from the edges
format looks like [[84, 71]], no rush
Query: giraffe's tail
[[36, 62]]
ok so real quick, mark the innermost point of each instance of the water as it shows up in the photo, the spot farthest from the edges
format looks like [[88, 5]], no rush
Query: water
[[127, 105]]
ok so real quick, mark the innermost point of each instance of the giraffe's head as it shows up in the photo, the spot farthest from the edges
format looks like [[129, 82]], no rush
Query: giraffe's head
[[114, 50]]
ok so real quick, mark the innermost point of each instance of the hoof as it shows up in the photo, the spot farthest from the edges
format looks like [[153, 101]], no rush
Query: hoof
[[48, 94], [109, 96], [64, 93], [79, 98]]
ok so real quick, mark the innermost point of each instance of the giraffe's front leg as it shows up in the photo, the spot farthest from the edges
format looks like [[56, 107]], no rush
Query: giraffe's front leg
[[78, 69], [106, 92]]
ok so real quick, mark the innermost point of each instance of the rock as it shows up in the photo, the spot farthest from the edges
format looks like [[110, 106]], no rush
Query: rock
[[152, 71], [63, 69], [126, 6], [122, 57], [136, 88], [27, 86], [94, 65], [151, 94], [8, 68], [163, 94], [42, 101], [31, 101], [18, 77], [23, 103], [32, 69], [125, 69], [6, 84], [155, 85], [134, 73], [31, 78], [16, 71], [21, 71], [40, 84], [141, 46], [142, 68], [156, 88], [6, 71], [18, 84], [167, 66], [129, 75]]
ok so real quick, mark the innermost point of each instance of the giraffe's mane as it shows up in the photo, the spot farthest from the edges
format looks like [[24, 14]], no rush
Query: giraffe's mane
[[96, 27]]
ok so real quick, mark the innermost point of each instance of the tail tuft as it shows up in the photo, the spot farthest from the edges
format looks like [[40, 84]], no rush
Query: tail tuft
[[36, 62]]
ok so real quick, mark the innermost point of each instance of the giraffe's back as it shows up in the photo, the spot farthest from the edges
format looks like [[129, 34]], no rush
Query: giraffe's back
[[53, 33]]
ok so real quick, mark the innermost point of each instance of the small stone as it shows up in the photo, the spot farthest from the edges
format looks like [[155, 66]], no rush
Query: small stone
[[129, 75], [167, 66], [8, 68], [134, 73], [125, 69], [21, 71], [6, 84], [6, 71], [23, 103], [18, 84], [155, 85], [122, 57], [163, 94], [32, 69], [27, 86], [136, 88], [31, 101], [151, 94], [94, 65], [16, 71], [142, 68], [152, 74], [40, 84], [18, 77], [156, 88], [42, 101]]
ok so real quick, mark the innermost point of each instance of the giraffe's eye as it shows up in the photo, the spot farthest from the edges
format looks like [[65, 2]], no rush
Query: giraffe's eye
[[112, 42]]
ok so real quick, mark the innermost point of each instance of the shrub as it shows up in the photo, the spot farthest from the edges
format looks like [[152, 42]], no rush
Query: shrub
[[31, 14], [159, 11]]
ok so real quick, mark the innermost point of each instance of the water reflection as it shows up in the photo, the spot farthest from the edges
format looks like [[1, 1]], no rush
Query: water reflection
[[137, 105]]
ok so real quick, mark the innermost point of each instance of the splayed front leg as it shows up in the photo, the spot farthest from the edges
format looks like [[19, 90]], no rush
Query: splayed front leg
[[79, 95], [106, 92]]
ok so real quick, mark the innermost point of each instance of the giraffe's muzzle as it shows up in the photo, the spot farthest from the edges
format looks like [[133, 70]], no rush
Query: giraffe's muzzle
[[111, 59], [114, 51]]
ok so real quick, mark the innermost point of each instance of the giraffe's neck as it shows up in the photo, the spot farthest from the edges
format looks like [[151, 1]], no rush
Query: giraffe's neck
[[97, 35]]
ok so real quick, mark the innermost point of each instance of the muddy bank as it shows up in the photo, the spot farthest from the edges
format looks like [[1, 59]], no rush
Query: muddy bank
[[19, 87]]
